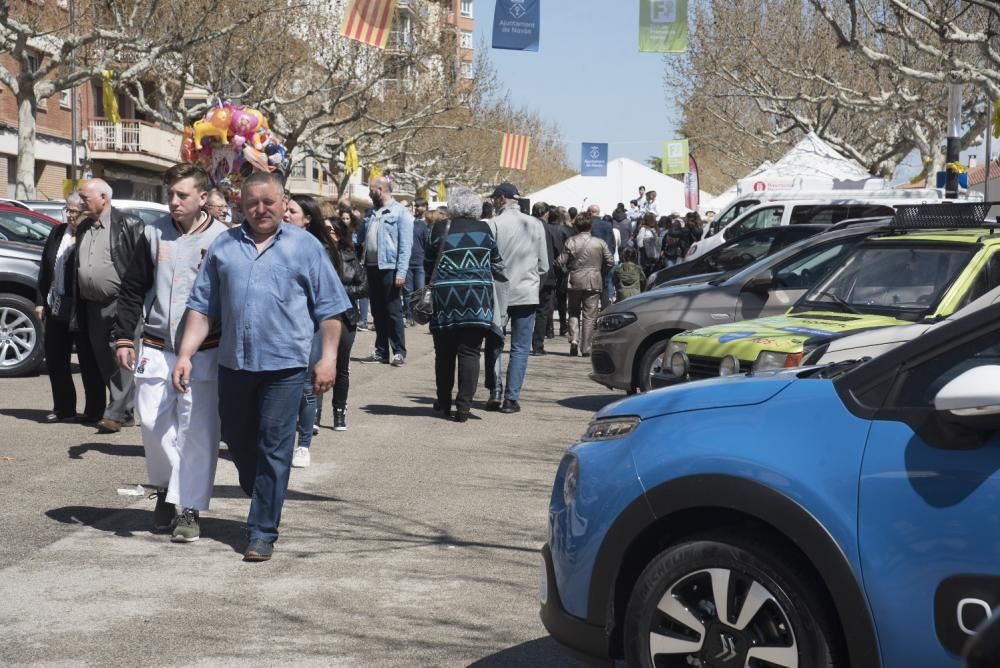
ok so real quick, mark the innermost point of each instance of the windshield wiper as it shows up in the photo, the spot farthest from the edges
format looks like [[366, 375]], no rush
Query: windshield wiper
[[841, 302]]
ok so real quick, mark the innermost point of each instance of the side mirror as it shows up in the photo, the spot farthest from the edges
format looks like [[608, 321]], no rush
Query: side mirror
[[973, 398], [761, 283], [983, 649]]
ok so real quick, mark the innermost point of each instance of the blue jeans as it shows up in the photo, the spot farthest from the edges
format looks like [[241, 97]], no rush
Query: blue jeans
[[521, 322], [308, 413], [415, 280], [258, 411]]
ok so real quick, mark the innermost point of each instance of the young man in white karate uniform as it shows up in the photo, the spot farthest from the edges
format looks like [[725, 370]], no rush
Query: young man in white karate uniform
[[180, 431]]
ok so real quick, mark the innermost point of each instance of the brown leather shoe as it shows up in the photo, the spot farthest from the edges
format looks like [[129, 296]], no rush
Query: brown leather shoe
[[109, 426]]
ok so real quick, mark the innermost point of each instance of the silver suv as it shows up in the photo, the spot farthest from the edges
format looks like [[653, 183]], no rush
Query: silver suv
[[631, 335]]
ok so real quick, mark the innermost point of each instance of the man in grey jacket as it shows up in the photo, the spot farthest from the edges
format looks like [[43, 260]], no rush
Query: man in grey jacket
[[522, 245]]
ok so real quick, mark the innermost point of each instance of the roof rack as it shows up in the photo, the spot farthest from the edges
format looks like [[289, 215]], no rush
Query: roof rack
[[942, 215]]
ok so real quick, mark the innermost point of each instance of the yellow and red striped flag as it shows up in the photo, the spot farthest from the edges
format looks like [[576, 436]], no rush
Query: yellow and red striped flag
[[514, 151], [369, 21]]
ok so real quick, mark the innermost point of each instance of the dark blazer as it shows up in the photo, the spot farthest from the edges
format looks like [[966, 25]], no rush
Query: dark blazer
[[604, 231], [125, 232], [47, 270]]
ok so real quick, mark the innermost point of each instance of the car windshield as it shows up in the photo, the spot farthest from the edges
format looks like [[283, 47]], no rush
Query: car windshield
[[21, 226], [904, 280], [730, 215], [739, 253]]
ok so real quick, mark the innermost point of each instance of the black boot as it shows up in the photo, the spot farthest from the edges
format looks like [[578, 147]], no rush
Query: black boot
[[493, 403], [340, 419]]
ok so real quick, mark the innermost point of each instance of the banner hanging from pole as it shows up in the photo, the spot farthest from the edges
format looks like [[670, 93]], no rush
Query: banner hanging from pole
[[675, 156], [516, 25], [109, 99], [663, 26], [594, 160], [514, 151], [369, 21], [692, 191]]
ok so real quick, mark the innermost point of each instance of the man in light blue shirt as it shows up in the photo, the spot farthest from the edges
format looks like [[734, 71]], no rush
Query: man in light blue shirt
[[388, 243], [270, 285]]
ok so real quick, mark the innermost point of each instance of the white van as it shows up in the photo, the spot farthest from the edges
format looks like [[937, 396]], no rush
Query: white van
[[742, 204], [796, 211]]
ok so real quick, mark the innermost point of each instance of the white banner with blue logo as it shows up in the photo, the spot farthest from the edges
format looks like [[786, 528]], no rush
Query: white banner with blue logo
[[516, 25], [594, 160]]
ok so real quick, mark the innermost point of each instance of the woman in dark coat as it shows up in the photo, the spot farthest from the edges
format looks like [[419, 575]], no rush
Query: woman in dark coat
[[467, 260], [56, 306]]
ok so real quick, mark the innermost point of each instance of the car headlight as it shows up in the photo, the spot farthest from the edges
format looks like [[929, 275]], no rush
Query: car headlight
[[612, 322], [772, 360], [675, 359], [610, 429], [571, 480], [729, 366]]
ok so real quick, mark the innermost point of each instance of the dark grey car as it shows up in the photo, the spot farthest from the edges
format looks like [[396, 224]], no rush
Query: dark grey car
[[21, 335], [632, 334]]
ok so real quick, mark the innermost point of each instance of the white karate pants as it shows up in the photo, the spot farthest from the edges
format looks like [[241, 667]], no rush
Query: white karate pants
[[180, 431]]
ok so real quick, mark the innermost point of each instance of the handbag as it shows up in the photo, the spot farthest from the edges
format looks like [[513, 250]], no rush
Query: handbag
[[421, 302]]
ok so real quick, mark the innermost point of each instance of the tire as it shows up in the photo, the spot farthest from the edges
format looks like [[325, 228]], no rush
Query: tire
[[21, 337], [774, 609], [649, 363]]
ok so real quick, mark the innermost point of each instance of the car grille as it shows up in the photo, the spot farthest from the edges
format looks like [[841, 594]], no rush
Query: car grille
[[602, 363], [708, 367]]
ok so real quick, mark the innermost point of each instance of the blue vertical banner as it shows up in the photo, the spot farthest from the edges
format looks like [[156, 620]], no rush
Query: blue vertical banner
[[594, 159], [516, 25]]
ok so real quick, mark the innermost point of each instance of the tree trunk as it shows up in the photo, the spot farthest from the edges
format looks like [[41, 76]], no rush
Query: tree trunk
[[25, 147]]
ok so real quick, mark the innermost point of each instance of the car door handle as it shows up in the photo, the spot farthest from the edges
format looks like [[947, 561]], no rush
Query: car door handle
[[720, 316]]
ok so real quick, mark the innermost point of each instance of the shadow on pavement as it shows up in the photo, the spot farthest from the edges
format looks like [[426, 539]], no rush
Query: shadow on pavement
[[133, 521], [399, 411], [234, 492], [30, 414], [112, 449], [590, 403], [538, 652]]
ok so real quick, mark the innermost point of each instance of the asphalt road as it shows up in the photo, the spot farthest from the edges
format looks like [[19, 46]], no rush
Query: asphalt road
[[410, 540]]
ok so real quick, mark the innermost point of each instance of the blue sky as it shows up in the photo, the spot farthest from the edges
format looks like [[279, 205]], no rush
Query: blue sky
[[588, 76]]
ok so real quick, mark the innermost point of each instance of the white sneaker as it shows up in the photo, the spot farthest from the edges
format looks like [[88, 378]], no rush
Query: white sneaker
[[300, 458]]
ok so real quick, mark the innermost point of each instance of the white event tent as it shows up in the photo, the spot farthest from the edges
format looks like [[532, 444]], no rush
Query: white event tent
[[620, 185]]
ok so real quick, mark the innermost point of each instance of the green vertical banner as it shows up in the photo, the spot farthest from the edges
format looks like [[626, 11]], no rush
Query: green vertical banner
[[675, 156], [663, 27]]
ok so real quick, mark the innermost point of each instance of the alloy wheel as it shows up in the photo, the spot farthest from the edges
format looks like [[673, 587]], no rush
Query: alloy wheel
[[17, 337], [721, 618]]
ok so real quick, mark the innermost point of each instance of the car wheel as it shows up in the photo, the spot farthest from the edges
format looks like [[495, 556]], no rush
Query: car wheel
[[21, 349], [649, 365], [721, 600]]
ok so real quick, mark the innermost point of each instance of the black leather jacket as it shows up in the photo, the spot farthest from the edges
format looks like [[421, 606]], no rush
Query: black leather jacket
[[355, 280], [125, 232]]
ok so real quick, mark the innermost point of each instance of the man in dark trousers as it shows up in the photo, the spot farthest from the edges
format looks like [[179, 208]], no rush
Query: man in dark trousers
[[547, 284], [105, 245], [416, 276]]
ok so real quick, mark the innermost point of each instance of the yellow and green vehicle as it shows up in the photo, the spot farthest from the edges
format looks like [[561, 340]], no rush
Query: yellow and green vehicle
[[907, 276]]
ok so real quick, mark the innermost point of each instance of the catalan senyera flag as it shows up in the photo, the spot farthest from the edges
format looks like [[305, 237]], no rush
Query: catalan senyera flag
[[369, 21], [514, 151]]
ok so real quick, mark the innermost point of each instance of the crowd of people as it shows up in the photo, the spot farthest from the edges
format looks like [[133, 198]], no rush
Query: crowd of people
[[219, 325]]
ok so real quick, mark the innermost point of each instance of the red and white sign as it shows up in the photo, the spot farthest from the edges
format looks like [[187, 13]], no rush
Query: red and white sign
[[759, 186]]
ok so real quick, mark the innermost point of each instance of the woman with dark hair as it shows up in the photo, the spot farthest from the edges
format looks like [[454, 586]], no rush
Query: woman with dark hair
[[355, 279], [465, 254], [356, 235]]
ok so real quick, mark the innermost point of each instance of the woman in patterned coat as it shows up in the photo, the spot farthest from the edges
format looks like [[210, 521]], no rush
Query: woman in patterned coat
[[467, 262]]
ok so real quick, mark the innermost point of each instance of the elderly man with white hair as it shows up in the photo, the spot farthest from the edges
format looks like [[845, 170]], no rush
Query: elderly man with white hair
[[107, 240]]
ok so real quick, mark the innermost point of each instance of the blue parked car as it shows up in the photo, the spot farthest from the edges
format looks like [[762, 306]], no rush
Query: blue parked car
[[846, 515]]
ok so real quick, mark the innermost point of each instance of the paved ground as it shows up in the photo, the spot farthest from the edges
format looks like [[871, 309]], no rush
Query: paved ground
[[410, 541]]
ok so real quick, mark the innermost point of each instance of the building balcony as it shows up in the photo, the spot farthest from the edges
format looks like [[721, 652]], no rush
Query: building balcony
[[133, 142], [303, 185]]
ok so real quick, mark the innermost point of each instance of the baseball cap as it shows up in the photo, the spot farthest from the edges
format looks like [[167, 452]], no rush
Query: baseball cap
[[507, 190]]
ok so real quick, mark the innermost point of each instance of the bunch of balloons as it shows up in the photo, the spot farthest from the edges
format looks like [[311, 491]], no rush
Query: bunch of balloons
[[231, 142]]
